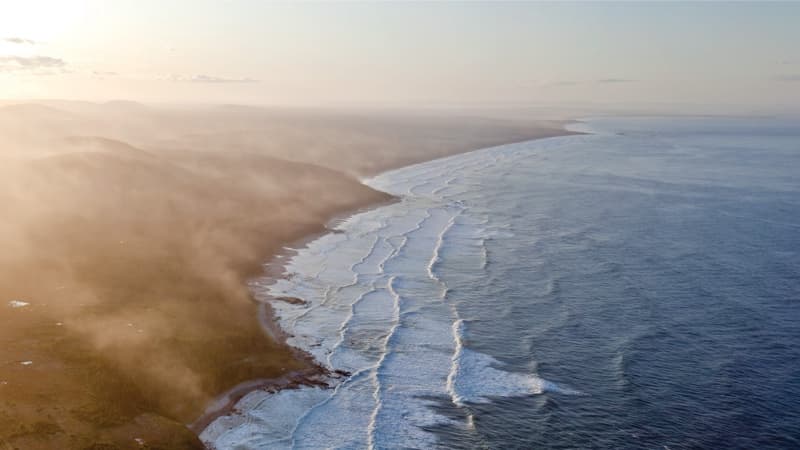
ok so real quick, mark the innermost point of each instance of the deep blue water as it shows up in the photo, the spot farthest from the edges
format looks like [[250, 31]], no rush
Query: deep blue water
[[656, 271], [633, 288]]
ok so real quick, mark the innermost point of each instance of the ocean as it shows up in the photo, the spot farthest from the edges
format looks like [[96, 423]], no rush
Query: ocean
[[635, 287]]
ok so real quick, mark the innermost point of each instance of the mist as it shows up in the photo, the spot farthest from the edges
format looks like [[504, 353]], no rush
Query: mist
[[130, 233]]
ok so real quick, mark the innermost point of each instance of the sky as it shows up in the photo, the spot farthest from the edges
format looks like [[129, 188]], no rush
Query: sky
[[406, 53]]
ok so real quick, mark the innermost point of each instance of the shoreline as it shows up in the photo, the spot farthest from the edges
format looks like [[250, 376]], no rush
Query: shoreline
[[274, 268], [315, 374], [135, 247]]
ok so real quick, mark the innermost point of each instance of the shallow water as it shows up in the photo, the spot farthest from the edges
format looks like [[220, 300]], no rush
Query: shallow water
[[633, 288]]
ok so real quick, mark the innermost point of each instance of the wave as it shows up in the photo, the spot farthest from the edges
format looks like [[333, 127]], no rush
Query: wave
[[377, 305], [475, 378]]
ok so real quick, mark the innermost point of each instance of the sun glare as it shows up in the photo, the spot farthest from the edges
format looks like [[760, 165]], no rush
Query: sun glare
[[38, 20]]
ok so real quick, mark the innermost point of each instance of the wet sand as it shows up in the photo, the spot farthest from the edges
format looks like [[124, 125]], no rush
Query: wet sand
[[131, 233]]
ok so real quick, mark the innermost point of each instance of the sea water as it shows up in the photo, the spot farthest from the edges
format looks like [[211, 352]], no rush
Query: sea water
[[636, 287]]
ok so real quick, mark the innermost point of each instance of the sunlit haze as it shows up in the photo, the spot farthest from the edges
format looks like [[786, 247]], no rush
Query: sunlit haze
[[742, 54], [247, 224]]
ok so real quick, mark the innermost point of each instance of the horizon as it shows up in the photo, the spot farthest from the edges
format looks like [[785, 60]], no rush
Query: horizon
[[722, 57], [246, 224]]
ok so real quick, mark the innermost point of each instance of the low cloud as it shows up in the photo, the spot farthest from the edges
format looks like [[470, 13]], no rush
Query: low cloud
[[615, 80], [586, 82], [559, 83], [789, 78], [32, 64], [209, 79], [19, 41]]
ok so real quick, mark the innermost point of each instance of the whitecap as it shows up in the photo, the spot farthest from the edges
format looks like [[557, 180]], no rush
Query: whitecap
[[476, 377], [376, 305]]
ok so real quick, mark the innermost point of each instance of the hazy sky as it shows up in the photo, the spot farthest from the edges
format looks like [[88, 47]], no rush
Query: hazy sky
[[403, 53]]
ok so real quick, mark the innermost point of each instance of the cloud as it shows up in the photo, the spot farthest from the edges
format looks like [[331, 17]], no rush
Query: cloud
[[32, 64], [789, 78], [104, 73], [558, 83], [20, 41], [614, 80], [209, 79], [585, 82]]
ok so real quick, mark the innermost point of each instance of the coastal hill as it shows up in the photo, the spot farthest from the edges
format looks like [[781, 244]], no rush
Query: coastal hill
[[130, 232]]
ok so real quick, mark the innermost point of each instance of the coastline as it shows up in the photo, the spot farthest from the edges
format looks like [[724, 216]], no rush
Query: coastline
[[138, 318], [274, 268], [315, 375]]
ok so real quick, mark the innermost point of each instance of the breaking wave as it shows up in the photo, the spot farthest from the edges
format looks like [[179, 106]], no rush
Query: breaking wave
[[377, 305]]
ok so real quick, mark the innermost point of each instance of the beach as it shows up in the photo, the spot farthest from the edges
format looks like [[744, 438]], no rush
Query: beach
[[247, 225], [131, 235], [596, 290]]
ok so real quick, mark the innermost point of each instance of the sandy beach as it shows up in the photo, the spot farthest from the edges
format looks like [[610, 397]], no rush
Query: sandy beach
[[249, 224], [130, 233]]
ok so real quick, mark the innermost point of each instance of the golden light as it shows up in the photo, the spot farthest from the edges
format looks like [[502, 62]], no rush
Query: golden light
[[38, 20]]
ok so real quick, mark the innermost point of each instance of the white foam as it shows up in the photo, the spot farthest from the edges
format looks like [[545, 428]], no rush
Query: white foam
[[476, 378], [263, 420], [17, 304], [376, 306]]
